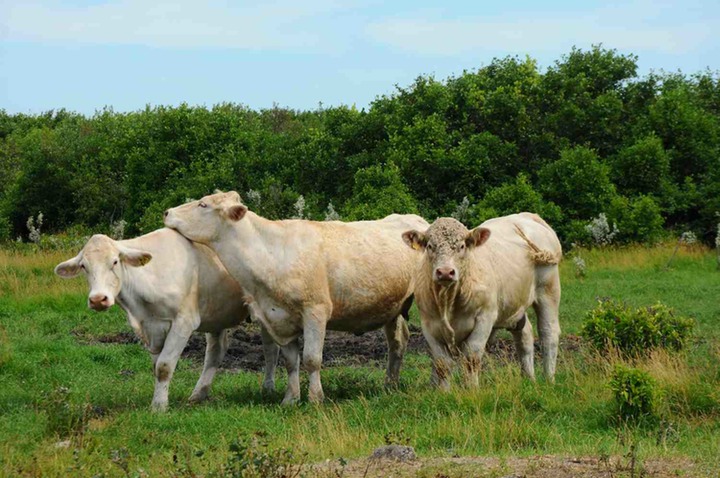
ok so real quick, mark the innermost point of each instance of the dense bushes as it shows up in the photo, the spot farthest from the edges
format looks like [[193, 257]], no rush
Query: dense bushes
[[583, 138], [636, 331]]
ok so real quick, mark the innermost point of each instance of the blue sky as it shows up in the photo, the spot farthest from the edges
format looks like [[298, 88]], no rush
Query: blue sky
[[86, 54]]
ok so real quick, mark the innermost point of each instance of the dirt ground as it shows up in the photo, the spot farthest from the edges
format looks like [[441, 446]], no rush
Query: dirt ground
[[533, 467], [341, 349]]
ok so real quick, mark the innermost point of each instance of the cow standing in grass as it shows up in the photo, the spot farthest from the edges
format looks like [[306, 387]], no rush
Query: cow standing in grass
[[169, 288], [303, 277], [471, 282]]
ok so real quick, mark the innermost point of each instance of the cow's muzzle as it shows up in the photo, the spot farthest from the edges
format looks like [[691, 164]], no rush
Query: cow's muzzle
[[100, 302]]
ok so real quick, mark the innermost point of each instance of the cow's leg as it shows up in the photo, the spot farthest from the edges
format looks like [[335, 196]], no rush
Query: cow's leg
[[314, 324], [175, 343], [271, 352], [397, 334], [442, 362], [547, 308], [291, 353], [215, 348], [524, 344], [474, 347]]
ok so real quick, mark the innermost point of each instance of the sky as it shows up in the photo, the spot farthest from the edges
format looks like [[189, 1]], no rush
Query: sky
[[84, 55]]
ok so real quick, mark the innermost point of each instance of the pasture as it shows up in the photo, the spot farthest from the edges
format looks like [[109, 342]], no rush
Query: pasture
[[75, 392]]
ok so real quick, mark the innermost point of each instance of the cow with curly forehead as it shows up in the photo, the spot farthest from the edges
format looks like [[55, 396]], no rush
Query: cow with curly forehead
[[472, 282]]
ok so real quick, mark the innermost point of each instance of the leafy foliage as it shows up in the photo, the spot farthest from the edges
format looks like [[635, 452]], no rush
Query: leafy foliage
[[587, 136], [636, 393], [636, 331]]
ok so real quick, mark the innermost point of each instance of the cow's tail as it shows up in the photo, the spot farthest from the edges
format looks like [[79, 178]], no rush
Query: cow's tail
[[539, 256]]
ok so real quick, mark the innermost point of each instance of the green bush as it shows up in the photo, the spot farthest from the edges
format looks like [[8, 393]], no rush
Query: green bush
[[637, 219], [517, 196], [636, 394], [636, 331], [379, 191]]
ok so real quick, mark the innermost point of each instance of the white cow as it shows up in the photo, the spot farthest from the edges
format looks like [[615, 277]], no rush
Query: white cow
[[471, 282], [302, 277], [169, 288]]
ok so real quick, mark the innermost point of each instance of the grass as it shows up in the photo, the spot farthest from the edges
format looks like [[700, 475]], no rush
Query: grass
[[56, 387]]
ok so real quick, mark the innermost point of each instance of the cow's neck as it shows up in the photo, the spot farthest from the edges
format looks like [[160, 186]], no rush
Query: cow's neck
[[252, 249]]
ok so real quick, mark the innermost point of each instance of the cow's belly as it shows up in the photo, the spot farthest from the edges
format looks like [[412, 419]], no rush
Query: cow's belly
[[362, 319], [282, 325]]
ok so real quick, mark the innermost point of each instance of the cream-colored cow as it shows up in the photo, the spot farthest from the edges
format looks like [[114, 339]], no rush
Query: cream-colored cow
[[302, 277], [471, 282], [169, 288]]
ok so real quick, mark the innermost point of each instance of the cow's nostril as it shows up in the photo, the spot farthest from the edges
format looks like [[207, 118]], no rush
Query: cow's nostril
[[452, 273]]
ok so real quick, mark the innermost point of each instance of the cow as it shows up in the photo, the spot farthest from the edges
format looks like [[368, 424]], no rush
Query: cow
[[472, 282], [169, 287], [302, 277]]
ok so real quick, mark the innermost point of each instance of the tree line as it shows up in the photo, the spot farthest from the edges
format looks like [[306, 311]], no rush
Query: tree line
[[583, 138]]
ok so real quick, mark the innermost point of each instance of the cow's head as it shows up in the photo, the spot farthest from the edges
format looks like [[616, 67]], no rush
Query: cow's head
[[201, 221], [446, 244], [103, 261]]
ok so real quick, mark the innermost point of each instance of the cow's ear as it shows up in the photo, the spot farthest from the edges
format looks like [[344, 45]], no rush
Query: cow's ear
[[415, 239], [68, 269], [134, 257], [237, 212], [477, 237]]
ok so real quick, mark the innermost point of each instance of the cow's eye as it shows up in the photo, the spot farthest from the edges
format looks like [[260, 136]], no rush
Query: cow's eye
[[202, 204], [115, 262], [429, 247], [462, 246]]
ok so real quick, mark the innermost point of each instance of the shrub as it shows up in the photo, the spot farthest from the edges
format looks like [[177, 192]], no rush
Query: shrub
[[636, 393], [514, 197], [638, 219], [379, 191], [636, 331], [578, 181]]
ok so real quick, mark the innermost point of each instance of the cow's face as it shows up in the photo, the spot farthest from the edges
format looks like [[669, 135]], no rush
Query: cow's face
[[201, 221], [446, 244], [103, 262]]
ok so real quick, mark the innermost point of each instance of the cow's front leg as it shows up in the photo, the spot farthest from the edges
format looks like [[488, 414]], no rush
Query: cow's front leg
[[175, 342], [271, 352], [215, 349], [474, 347], [397, 334], [314, 324], [442, 361], [291, 353]]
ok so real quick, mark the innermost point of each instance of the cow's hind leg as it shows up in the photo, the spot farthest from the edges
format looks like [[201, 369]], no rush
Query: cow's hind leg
[[524, 344], [397, 334], [271, 352], [547, 309], [215, 349], [291, 353]]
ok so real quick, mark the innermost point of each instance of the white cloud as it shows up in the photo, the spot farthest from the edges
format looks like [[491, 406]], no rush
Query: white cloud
[[626, 28], [170, 23]]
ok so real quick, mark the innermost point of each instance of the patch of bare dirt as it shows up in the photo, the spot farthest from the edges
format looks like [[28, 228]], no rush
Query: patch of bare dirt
[[534, 467], [341, 349]]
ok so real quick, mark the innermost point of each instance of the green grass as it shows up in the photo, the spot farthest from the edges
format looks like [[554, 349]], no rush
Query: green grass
[[44, 325]]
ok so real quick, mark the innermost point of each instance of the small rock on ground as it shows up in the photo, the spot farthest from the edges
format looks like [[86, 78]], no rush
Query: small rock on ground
[[394, 452]]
